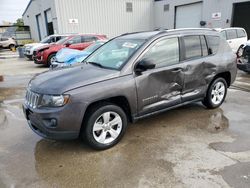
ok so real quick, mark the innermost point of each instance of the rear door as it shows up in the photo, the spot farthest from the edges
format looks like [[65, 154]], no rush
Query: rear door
[[195, 61], [160, 87]]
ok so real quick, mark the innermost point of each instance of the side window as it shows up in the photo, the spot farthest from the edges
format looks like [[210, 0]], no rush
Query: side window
[[53, 39], [75, 40], [164, 52], [241, 33], [192, 47], [223, 34], [88, 38], [231, 34], [213, 44], [58, 38], [4, 39], [203, 46]]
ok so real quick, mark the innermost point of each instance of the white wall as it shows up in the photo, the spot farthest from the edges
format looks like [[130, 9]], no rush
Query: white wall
[[167, 19], [104, 16], [38, 7]]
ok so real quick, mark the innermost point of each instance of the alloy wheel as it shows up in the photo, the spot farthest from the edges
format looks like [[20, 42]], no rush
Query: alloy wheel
[[218, 93], [107, 127]]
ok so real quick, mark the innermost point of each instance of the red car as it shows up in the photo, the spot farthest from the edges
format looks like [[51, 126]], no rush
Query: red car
[[46, 54]]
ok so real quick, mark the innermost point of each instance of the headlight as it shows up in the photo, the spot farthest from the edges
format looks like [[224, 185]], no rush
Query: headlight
[[54, 100]]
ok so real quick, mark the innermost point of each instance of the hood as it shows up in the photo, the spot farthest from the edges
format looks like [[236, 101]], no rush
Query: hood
[[59, 81], [66, 54], [39, 45], [31, 44]]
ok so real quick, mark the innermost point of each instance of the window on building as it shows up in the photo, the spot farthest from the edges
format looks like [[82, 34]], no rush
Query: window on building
[[166, 7], [231, 34], [192, 46], [241, 33], [129, 7], [164, 53], [213, 44]]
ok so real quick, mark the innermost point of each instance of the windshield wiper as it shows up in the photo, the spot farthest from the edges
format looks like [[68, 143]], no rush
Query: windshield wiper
[[96, 64]]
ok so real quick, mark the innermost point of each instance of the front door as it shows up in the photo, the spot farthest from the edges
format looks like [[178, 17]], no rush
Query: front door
[[160, 87]]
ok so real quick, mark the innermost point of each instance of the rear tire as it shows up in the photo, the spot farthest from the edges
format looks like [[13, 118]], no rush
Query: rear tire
[[216, 93], [105, 125]]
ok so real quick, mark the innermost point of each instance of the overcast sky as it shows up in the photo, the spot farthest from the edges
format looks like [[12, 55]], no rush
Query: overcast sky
[[11, 10]]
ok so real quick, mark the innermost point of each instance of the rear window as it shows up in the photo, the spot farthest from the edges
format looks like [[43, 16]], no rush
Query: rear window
[[192, 47], [224, 35], [241, 33], [213, 44], [88, 38], [231, 34]]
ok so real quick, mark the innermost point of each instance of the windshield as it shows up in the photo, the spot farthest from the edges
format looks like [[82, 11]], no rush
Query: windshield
[[46, 40], [62, 40], [115, 53]]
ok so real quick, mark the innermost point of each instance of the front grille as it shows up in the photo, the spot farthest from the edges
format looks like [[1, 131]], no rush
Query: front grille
[[31, 99]]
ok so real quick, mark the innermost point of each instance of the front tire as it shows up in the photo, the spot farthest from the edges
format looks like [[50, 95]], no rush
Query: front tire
[[12, 47], [51, 59], [216, 93], [105, 126]]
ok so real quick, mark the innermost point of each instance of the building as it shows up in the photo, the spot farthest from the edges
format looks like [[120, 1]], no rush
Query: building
[[114, 17], [110, 17]]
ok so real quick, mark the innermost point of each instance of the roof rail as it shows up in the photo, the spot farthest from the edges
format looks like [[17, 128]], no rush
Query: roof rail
[[132, 33], [184, 29]]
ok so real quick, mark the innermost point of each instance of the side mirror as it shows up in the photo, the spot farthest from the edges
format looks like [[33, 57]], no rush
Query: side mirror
[[67, 44], [144, 65]]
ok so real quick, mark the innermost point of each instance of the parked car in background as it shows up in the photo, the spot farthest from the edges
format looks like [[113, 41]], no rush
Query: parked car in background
[[47, 54], [235, 36], [7, 42], [67, 57], [128, 78], [243, 57], [29, 48]]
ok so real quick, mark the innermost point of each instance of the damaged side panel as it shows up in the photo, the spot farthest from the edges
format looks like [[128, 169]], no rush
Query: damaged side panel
[[198, 74], [159, 88]]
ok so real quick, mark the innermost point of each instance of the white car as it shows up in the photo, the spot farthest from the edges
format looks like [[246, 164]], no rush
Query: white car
[[29, 48], [235, 36], [7, 42]]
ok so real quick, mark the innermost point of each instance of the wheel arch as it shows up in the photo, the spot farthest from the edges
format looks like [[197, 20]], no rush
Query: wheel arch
[[226, 75], [120, 101]]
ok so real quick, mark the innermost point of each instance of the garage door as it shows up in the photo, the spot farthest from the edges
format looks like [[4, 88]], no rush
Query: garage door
[[241, 16], [188, 15]]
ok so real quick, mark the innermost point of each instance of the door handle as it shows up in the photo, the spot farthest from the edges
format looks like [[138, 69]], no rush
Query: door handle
[[177, 69], [230, 41]]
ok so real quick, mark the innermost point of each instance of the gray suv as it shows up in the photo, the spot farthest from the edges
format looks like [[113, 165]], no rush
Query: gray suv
[[130, 77]]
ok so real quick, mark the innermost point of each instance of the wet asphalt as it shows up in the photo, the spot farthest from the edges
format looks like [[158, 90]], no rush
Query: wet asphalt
[[185, 147]]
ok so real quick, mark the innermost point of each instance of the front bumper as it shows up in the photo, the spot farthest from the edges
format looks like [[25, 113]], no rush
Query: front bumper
[[38, 60], [53, 124]]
